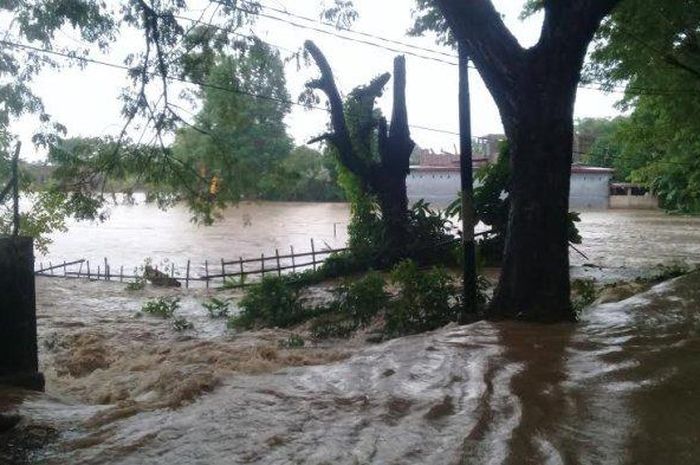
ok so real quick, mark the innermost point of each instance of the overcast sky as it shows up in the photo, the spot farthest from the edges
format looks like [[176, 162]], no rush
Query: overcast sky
[[86, 100]]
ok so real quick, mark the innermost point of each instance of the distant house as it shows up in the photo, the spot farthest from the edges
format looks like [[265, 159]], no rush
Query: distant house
[[440, 185], [589, 188]]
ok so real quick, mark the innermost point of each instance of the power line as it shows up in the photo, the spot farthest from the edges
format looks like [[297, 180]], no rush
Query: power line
[[361, 33], [345, 37], [187, 81], [603, 87]]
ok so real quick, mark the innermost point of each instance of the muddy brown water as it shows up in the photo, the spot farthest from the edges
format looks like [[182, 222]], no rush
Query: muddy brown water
[[614, 238], [620, 387]]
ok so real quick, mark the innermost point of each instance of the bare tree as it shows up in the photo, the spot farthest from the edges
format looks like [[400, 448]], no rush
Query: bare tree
[[384, 177]]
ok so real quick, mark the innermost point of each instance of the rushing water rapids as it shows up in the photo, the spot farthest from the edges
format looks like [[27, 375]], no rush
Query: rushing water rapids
[[620, 387]]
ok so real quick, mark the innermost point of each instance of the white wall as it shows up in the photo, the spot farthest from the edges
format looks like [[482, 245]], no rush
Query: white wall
[[589, 191], [439, 187]]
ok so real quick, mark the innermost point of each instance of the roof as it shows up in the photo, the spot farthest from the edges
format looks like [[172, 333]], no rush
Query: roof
[[577, 169], [591, 169], [448, 168]]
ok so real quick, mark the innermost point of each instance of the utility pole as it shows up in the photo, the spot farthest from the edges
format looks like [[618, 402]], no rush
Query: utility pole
[[15, 190], [467, 183]]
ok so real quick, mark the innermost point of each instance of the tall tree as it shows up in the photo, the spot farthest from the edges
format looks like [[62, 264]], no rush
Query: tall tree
[[239, 135], [32, 43], [653, 50], [534, 90]]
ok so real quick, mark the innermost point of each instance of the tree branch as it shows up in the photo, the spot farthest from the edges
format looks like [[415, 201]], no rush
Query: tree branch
[[341, 136], [494, 50], [399, 132]]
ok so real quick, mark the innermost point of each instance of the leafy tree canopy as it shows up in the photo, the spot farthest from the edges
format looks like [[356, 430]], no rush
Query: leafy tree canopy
[[653, 50]]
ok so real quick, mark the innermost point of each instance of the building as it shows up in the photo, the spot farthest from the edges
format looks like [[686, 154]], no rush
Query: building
[[632, 196], [589, 188], [440, 185]]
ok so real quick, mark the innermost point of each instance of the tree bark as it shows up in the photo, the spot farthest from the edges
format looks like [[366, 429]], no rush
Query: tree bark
[[535, 90], [534, 283]]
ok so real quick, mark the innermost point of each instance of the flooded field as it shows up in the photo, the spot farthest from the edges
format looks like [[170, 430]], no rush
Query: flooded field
[[620, 387]]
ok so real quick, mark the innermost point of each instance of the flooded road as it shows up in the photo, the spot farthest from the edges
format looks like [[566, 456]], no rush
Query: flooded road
[[620, 387]]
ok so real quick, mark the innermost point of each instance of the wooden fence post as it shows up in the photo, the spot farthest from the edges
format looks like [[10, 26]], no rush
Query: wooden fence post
[[121, 274], [206, 272], [279, 267], [88, 269], [51, 268], [187, 276], [313, 254], [64, 269], [294, 265], [223, 271], [262, 265], [106, 270]]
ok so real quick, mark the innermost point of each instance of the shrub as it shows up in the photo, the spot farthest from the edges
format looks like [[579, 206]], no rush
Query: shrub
[[163, 307], [137, 285], [425, 300], [669, 271], [274, 302], [363, 299], [585, 293], [217, 308], [182, 324], [294, 341], [332, 325]]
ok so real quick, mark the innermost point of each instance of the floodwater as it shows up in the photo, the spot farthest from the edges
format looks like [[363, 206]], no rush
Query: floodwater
[[136, 232], [614, 238], [620, 387]]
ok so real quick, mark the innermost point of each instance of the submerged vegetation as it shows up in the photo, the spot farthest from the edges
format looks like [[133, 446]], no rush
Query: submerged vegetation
[[411, 301]]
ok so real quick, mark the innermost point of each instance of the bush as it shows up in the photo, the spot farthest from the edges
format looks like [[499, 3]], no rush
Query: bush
[[585, 293], [138, 285], [163, 307], [294, 341], [217, 308], [425, 301], [363, 299], [333, 325], [182, 324], [274, 302]]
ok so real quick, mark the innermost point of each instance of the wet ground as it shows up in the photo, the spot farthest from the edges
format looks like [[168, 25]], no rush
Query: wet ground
[[620, 387]]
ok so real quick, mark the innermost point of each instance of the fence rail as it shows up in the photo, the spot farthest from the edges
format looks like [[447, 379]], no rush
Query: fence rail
[[235, 273]]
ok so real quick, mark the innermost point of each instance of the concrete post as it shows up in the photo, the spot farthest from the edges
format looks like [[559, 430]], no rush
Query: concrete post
[[19, 364]]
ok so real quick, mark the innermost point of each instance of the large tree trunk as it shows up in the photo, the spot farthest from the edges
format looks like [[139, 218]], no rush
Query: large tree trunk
[[393, 203], [534, 284], [535, 90]]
